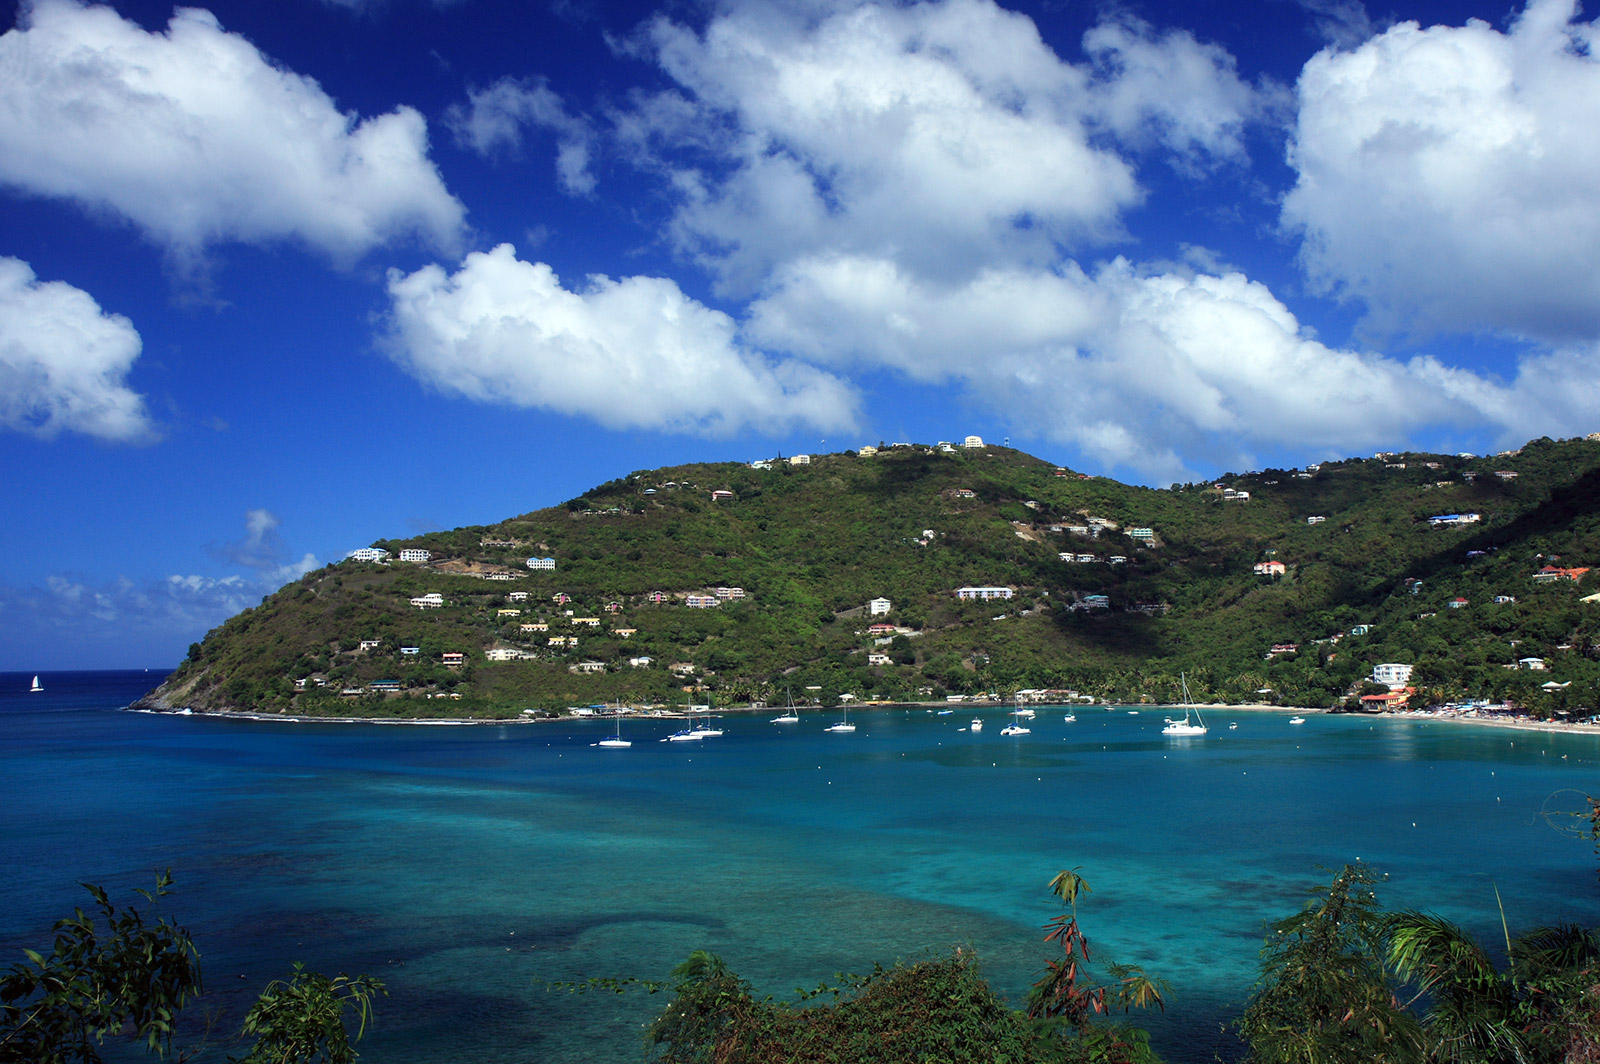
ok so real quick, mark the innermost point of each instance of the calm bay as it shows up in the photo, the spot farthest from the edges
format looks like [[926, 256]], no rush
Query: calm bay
[[467, 865]]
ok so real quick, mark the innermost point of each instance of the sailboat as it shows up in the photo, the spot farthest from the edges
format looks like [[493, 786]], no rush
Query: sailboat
[[788, 716], [703, 730], [1184, 727], [690, 734], [844, 725], [1015, 727], [616, 740], [37, 686]]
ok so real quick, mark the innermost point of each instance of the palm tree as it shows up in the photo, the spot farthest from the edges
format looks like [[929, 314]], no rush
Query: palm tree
[[1541, 1007]]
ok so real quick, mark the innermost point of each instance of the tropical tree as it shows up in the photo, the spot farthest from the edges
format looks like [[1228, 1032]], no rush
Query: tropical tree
[[128, 978], [1325, 994], [115, 974]]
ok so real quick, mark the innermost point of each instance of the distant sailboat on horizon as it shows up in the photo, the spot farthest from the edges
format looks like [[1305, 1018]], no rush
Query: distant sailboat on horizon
[[37, 686]]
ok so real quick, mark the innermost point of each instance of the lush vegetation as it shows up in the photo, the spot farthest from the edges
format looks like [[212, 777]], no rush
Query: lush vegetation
[[115, 974], [1342, 982], [1372, 581]]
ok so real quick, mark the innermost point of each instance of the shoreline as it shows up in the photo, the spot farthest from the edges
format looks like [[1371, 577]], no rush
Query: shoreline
[[1507, 722]]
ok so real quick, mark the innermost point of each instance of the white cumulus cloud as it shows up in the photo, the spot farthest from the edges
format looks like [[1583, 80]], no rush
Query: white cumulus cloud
[[494, 118], [629, 353], [197, 138], [1446, 175], [1149, 371], [64, 362], [945, 132]]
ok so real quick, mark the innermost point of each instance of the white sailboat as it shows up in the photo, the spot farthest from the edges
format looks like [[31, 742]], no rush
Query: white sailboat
[[844, 725], [704, 729], [789, 716], [615, 740], [37, 686], [1184, 727], [1016, 727]]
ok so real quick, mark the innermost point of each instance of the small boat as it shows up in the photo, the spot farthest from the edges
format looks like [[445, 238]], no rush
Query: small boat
[[1233, 726], [1070, 718], [1133, 712], [37, 686], [682, 736], [945, 712], [1026, 714], [844, 725], [977, 725], [788, 716], [1015, 727], [1184, 727], [615, 740], [1297, 720]]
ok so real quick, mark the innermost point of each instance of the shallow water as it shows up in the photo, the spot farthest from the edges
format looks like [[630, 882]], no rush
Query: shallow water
[[466, 865]]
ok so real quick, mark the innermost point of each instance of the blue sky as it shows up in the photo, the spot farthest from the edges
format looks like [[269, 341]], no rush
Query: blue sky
[[277, 280]]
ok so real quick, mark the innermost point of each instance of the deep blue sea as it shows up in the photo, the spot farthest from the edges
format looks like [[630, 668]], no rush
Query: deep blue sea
[[467, 865]]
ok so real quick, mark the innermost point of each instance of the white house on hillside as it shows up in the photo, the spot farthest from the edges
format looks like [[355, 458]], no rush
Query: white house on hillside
[[878, 606], [984, 592], [1391, 675]]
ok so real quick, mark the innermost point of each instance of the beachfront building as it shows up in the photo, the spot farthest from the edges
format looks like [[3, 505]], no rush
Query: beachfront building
[[368, 554], [541, 563], [984, 593], [878, 607], [1391, 674], [415, 554], [431, 601]]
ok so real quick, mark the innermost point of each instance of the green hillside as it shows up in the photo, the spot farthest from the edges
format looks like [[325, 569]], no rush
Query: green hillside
[[811, 545]]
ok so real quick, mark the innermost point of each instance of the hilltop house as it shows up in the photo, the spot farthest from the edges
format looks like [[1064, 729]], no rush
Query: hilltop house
[[431, 601], [972, 442], [701, 602], [368, 554], [453, 659], [879, 659], [800, 459], [1270, 569], [1551, 573], [541, 563], [1447, 520], [877, 607], [721, 495], [984, 592], [415, 554]]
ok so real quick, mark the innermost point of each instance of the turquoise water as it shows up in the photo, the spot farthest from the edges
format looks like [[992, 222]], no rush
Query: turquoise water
[[465, 865]]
